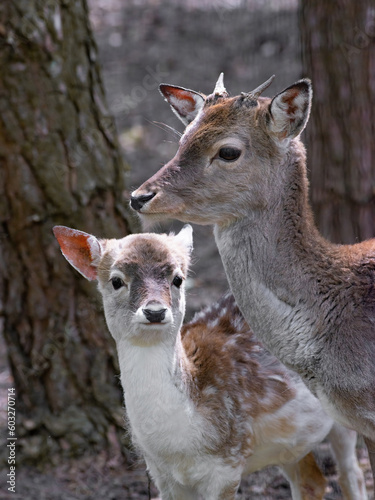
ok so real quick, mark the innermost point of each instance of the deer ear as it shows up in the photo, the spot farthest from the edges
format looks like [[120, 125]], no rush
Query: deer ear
[[81, 250], [290, 110], [185, 237], [186, 104]]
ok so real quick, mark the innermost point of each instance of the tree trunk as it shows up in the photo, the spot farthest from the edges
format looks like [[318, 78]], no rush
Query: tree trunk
[[338, 44], [60, 164]]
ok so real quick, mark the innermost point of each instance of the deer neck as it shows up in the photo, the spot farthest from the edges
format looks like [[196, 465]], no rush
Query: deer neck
[[156, 388], [145, 366], [268, 262]]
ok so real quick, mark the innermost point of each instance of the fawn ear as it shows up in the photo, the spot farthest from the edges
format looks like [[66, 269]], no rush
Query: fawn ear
[[185, 237], [290, 110], [81, 250], [186, 104]]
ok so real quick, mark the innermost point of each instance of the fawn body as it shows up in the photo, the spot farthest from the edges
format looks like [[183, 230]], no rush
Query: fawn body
[[205, 401], [241, 166]]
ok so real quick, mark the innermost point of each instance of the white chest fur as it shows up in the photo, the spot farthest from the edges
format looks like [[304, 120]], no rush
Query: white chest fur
[[163, 420]]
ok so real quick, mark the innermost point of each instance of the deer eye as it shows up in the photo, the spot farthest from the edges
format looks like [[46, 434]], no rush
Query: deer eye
[[229, 154], [117, 283], [177, 281]]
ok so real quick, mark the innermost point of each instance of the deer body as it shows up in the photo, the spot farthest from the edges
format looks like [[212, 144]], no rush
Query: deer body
[[205, 401], [241, 167], [286, 312]]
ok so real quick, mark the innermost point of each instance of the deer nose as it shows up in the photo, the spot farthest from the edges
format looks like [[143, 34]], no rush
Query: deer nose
[[137, 202], [154, 316]]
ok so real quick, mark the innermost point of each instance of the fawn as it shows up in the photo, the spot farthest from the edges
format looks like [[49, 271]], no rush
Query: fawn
[[205, 401], [241, 166]]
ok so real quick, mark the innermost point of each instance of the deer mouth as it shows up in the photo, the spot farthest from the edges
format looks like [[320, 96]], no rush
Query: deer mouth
[[157, 207], [154, 323], [151, 317]]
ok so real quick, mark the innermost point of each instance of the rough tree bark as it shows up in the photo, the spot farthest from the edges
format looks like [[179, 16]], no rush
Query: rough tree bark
[[338, 44], [60, 164]]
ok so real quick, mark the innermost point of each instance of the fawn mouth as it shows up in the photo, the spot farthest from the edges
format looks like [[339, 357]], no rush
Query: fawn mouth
[[152, 323], [154, 326]]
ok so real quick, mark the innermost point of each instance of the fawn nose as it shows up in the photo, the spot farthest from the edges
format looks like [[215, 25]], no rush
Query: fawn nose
[[154, 316], [137, 202]]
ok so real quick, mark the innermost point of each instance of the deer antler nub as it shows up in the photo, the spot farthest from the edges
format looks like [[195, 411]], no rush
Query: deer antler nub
[[254, 94], [219, 87]]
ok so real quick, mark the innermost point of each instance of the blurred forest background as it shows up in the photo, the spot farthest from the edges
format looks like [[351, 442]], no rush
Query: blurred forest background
[[82, 124]]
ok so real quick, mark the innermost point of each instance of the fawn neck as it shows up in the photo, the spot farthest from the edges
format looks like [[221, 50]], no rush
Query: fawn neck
[[156, 388], [144, 367], [254, 249]]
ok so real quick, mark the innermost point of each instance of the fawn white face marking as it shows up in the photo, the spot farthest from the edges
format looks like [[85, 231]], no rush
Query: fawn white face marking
[[141, 278], [142, 288]]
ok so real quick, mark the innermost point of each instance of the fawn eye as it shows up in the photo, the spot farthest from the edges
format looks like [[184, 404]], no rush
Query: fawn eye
[[117, 283], [177, 281], [229, 154]]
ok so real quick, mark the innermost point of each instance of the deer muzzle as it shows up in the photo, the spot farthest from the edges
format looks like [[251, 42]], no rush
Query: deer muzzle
[[155, 316], [137, 202], [154, 312]]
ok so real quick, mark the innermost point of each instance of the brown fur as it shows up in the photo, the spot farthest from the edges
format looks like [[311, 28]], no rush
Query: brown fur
[[219, 344], [314, 483]]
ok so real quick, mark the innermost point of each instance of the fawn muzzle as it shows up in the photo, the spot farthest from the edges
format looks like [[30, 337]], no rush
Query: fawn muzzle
[[137, 202], [154, 316]]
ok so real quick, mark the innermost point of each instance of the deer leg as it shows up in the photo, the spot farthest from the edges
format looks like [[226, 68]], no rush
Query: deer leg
[[306, 479], [351, 478], [371, 454], [169, 489], [229, 492], [220, 488]]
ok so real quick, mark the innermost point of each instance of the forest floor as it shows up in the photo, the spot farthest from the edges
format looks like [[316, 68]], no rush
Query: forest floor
[[186, 44]]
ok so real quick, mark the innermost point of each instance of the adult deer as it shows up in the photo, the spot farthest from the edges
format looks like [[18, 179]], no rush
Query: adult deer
[[241, 166], [206, 402]]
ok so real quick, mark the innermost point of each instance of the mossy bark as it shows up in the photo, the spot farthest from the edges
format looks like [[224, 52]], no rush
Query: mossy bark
[[60, 164], [338, 43]]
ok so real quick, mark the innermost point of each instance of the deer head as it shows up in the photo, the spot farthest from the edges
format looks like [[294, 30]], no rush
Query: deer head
[[141, 278], [229, 156]]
